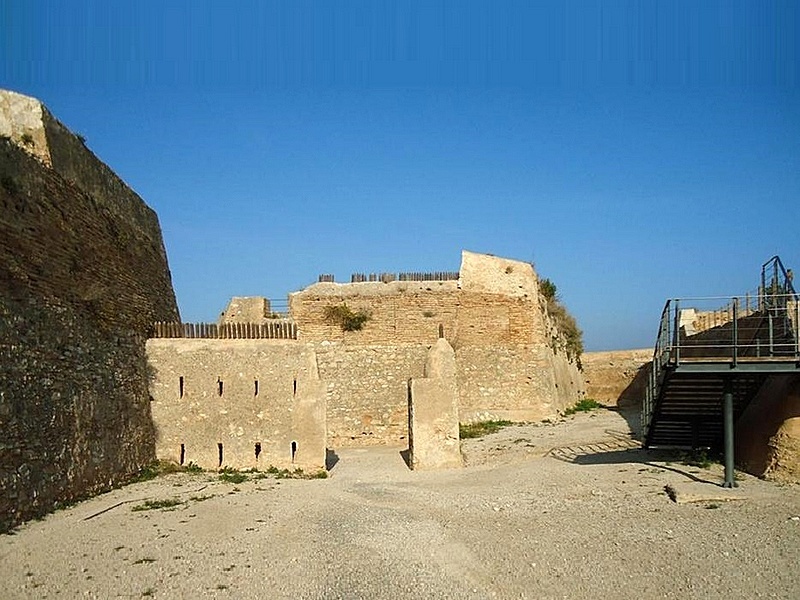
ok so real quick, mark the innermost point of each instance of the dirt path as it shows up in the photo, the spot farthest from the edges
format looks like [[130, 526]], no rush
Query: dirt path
[[567, 510]]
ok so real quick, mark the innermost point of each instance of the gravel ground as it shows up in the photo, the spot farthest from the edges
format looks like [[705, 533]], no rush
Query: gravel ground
[[565, 510]]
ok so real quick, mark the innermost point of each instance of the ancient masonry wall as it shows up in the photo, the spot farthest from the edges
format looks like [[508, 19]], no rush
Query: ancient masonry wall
[[617, 377], [493, 318], [367, 389], [237, 403], [83, 274]]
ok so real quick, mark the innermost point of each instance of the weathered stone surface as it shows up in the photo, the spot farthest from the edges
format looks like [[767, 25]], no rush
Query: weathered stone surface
[[484, 273], [617, 377], [689, 492], [237, 403], [367, 391], [507, 363], [433, 413], [768, 432], [246, 309], [83, 273]]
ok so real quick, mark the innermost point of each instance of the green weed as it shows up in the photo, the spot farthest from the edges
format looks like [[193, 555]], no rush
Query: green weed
[[295, 474], [480, 429], [583, 405], [568, 330], [157, 504], [229, 475], [201, 498], [346, 318], [697, 458], [163, 467]]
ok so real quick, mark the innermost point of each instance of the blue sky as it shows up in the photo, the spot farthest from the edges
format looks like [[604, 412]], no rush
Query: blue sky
[[633, 151]]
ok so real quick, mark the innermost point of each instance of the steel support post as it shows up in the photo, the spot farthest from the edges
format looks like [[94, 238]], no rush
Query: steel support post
[[735, 324], [727, 416], [677, 332], [797, 326]]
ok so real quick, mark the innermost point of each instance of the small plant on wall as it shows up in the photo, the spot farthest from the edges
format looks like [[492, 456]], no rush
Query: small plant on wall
[[345, 317]]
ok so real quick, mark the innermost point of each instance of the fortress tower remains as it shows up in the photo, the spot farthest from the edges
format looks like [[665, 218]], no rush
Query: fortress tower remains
[[83, 274], [511, 359]]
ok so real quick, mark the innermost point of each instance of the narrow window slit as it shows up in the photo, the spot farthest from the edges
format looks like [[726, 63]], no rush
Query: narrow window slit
[[219, 386], [219, 450], [183, 453], [255, 388], [180, 387], [294, 386], [258, 450], [294, 450]]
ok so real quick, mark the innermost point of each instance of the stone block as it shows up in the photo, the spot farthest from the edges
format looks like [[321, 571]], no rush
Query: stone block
[[433, 413]]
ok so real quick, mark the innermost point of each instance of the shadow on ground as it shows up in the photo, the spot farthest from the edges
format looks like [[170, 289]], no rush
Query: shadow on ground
[[656, 459]]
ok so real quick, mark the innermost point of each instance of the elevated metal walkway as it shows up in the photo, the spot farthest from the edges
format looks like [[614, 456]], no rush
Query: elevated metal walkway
[[709, 363]]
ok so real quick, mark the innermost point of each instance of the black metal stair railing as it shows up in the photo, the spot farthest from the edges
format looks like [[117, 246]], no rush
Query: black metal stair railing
[[724, 334]]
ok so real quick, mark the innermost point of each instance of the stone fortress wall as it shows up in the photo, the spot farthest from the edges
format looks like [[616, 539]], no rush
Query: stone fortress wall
[[507, 363], [84, 273], [240, 403], [617, 377], [508, 366]]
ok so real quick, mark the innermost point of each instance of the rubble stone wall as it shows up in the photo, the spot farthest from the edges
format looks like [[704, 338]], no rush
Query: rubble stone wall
[[83, 274]]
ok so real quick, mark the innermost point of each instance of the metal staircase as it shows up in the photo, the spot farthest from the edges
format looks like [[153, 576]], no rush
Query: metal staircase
[[709, 364]]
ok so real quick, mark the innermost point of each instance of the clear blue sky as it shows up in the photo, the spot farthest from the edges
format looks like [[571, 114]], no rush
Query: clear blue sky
[[632, 150]]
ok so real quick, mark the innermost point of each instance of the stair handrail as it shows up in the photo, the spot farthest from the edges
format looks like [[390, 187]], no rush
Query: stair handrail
[[661, 355], [779, 287], [777, 298]]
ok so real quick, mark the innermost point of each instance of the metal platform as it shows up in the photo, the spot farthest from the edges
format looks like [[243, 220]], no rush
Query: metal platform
[[710, 362]]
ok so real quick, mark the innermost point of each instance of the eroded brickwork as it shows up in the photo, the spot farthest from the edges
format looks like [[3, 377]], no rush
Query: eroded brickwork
[[509, 364], [83, 274]]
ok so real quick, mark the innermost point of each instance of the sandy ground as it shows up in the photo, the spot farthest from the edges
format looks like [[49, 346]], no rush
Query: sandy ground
[[572, 509]]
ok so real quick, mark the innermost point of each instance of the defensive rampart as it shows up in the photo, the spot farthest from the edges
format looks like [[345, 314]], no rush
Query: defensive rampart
[[237, 403], [510, 363], [84, 274], [617, 377], [510, 358]]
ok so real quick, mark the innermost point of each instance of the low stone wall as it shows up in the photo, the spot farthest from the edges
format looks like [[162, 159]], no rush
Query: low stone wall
[[617, 377], [237, 403]]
